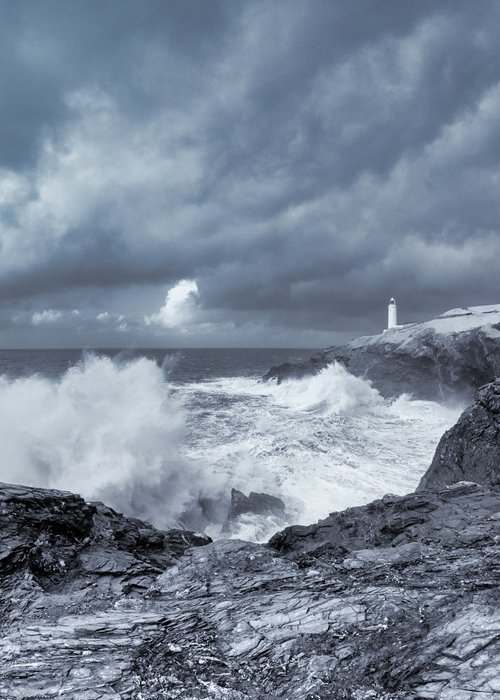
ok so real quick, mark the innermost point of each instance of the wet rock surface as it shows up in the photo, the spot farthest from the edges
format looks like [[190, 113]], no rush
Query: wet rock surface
[[415, 619], [421, 362], [270, 510], [471, 449], [66, 566], [396, 599]]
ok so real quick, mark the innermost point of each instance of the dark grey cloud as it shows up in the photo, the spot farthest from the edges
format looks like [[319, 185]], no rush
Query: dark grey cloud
[[49, 48], [301, 162]]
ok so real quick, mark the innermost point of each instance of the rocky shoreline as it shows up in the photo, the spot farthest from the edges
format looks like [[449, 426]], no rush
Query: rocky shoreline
[[396, 599], [436, 361]]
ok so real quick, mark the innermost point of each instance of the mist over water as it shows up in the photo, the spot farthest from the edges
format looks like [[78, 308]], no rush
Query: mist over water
[[133, 432], [107, 429]]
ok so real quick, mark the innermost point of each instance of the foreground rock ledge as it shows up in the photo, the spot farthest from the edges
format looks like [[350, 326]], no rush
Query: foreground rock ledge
[[398, 599]]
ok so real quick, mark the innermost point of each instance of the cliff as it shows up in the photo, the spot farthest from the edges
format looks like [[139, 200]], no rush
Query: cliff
[[445, 358], [471, 449]]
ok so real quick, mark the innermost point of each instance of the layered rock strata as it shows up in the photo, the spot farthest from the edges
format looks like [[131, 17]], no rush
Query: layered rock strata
[[395, 600], [471, 449], [71, 576]]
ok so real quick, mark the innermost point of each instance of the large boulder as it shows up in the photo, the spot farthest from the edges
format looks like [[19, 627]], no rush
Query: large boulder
[[471, 449], [254, 503]]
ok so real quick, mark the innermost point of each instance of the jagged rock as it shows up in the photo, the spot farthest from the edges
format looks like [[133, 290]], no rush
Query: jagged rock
[[441, 517], [471, 449], [430, 562], [395, 600], [237, 514], [256, 504], [55, 536], [64, 566], [448, 357], [298, 370], [205, 512]]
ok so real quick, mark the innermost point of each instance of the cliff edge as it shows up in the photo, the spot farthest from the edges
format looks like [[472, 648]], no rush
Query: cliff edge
[[471, 449], [446, 358]]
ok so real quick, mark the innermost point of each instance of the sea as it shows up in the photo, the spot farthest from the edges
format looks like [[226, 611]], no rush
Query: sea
[[156, 433]]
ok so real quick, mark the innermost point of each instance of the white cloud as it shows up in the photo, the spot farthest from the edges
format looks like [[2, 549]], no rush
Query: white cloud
[[180, 308], [46, 316]]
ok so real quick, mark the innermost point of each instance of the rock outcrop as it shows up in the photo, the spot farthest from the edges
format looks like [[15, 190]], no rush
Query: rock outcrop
[[398, 599], [449, 357], [471, 449], [269, 510], [71, 576]]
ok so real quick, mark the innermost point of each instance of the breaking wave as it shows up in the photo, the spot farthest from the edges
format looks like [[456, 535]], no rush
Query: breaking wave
[[331, 390], [119, 430], [108, 429], [321, 443]]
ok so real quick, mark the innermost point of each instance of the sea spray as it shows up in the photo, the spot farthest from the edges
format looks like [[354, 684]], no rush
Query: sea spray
[[321, 443], [128, 432], [107, 429], [333, 389]]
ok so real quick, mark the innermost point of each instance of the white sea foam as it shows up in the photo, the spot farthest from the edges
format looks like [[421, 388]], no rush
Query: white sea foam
[[107, 429], [115, 430], [321, 443], [331, 390]]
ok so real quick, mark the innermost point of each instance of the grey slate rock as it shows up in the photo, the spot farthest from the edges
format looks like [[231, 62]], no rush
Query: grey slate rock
[[395, 600], [421, 362], [55, 537], [471, 449]]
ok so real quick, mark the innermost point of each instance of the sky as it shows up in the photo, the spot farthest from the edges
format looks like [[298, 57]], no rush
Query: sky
[[178, 173]]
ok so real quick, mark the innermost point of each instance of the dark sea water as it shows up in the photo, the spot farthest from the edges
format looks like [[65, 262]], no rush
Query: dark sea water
[[151, 432], [185, 365]]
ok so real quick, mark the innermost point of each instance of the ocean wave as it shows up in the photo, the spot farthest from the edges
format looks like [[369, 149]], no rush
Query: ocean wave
[[321, 443], [332, 389], [107, 429], [120, 430]]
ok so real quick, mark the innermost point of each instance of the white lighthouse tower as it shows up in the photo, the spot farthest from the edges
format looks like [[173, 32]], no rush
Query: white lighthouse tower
[[392, 314]]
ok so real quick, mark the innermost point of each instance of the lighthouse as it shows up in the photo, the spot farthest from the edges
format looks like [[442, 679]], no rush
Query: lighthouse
[[392, 314]]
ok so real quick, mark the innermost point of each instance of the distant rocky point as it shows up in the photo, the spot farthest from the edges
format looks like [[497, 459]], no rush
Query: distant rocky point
[[395, 600], [446, 358]]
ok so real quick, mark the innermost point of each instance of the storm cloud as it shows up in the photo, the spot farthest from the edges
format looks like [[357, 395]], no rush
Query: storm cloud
[[251, 173]]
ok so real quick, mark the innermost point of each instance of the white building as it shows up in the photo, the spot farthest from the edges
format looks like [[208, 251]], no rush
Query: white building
[[392, 314]]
